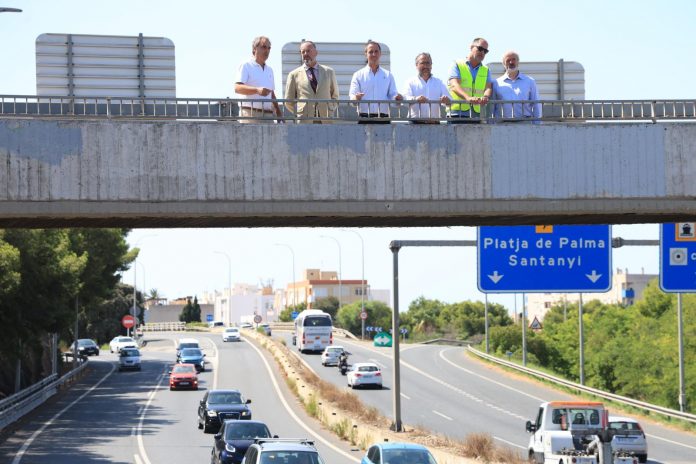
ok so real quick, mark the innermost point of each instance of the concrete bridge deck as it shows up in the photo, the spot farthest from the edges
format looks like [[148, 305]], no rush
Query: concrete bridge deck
[[205, 173]]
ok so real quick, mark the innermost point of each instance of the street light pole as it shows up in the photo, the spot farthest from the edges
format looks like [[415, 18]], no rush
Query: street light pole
[[135, 261], [9, 10], [340, 274], [294, 292], [362, 293], [229, 289]]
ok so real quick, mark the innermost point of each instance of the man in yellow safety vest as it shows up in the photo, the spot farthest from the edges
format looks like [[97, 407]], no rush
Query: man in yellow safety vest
[[470, 84]]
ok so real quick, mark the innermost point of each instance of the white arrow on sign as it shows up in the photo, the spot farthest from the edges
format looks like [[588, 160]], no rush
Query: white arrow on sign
[[382, 340], [495, 277], [594, 277]]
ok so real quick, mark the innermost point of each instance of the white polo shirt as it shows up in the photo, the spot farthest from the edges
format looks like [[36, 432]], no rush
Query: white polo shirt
[[252, 73]]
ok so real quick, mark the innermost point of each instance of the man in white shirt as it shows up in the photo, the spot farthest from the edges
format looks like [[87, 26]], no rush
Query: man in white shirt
[[373, 83], [255, 81], [425, 87]]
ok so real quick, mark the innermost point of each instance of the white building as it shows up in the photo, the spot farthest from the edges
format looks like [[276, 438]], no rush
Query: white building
[[246, 301], [626, 288]]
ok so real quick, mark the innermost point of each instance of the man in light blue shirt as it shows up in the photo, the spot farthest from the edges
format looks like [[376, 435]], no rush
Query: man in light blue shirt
[[373, 82], [514, 85]]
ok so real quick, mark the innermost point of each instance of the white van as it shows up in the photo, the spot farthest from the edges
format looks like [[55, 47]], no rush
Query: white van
[[186, 343]]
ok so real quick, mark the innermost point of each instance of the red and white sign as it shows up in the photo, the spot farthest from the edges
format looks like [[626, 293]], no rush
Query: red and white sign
[[258, 319], [363, 315], [127, 321]]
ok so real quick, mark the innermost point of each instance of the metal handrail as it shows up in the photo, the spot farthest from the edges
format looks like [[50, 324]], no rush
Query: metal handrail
[[673, 413], [21, 403], [227, 109]]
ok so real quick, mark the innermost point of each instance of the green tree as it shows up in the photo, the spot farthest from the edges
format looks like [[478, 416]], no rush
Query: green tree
[[328, 305], [422, 316], [191, 312], [286, 314], [378, 315]]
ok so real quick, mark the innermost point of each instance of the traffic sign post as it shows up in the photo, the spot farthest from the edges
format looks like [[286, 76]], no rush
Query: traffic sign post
[[678, 257], [128, 321], [363, 315], [382, 339], [544, 259]]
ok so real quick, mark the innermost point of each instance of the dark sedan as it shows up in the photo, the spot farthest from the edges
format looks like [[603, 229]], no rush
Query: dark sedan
[[234, 439], [220, 405], [86, 347]]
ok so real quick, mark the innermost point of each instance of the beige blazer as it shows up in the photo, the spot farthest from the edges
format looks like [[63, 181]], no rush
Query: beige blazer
[[298, 87]]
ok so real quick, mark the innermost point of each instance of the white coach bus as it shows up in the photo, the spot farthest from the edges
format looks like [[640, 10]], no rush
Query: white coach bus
[[313, 330]]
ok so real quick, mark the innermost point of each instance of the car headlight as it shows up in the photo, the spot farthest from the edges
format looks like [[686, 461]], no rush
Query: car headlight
[[246, 413], [212, 413], [229, 448]]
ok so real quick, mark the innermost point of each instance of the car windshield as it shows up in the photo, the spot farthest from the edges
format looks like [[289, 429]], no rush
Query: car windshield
[[295, 457], [85, 342], [225, 397], [408, 456], [128, 352], [126, 340], [622, 425], [183, 369], [242, 430], [191, 352], [317, 321], [368, 368], [334, 350], [232, 330]]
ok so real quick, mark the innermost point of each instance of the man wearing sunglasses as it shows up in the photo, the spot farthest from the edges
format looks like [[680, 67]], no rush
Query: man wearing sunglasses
[[470, 84]]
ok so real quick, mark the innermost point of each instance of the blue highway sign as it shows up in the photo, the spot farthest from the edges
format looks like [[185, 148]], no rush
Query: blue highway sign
[[540, 259], [678, 257]]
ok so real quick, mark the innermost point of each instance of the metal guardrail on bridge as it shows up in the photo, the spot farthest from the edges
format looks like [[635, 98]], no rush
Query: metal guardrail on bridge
[[14, 407], [163, 327], [673, 413], [226, 109]]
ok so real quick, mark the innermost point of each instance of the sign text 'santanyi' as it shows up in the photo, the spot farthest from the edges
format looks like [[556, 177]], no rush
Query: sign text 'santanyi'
[[544, 258]]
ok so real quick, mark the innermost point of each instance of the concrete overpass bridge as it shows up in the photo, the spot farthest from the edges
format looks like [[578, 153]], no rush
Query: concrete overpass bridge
[[100, 170]]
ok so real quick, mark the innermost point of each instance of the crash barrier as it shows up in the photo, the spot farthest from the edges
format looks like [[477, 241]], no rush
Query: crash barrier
[[646, 407], [163, 327], [14, 407], [346, 111]]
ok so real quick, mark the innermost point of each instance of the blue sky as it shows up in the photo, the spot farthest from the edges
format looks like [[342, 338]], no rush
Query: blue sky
[[629, 49]]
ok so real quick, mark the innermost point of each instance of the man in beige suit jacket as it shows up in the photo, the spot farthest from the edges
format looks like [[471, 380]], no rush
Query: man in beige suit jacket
[[299, 87]]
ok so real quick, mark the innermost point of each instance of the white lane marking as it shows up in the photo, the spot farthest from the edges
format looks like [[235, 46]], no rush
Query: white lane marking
[[20, 454], [216, 364], [509, 443], [137, 459], [442, 415], [500, 384], [670, 441], [139, 433], [451, 387], [292, 413], [407, 397]]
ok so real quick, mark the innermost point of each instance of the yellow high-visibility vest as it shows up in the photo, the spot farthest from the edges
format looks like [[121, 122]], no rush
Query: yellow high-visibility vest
[[473, 88]]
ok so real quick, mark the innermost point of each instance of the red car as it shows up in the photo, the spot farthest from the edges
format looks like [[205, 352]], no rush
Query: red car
[[183, 376]]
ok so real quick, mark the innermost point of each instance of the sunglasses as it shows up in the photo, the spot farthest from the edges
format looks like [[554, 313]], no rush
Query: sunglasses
[[481, 49]]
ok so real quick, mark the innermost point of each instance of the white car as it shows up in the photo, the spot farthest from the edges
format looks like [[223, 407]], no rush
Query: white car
[[330, 355], [231, 334], [118, 343], [363, 374], [629, 436], [129, 359]]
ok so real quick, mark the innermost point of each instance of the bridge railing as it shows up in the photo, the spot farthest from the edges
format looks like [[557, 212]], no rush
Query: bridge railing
[[16, 406], [642, 405], [342, 111], [163, 327]]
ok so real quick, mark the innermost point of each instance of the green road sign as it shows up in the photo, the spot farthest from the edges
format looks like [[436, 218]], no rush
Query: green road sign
[[382, 339]]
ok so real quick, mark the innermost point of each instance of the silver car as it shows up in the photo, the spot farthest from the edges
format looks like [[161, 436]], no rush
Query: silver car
[[129, 359], [330, 355], [629, 436]]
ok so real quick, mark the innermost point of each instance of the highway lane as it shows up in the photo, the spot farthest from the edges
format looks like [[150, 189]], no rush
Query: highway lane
[[132, 417], [446, 391]]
